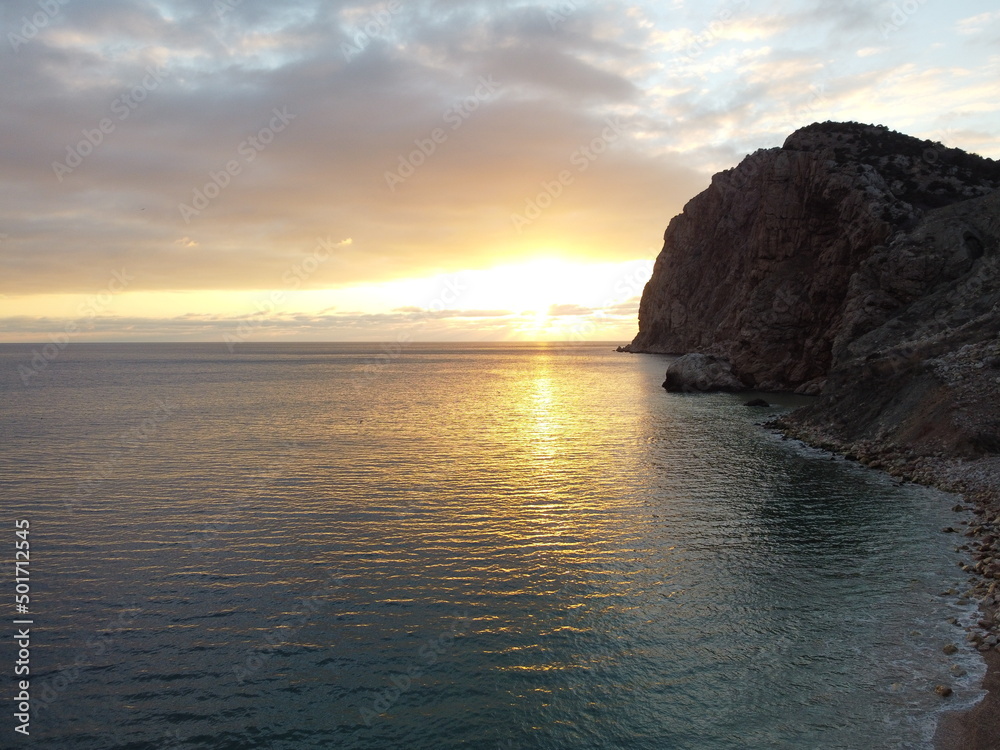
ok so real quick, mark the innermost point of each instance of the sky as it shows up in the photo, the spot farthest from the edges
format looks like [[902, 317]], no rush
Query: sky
[[244, 170]]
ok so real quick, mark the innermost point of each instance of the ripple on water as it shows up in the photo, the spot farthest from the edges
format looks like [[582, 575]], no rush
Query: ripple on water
[[518, 546]]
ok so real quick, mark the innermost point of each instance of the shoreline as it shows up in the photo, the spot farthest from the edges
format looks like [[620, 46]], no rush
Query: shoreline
[[978, 484], [977, 728]]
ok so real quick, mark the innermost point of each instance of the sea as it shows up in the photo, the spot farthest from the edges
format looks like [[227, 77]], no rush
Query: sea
[[428, 546]]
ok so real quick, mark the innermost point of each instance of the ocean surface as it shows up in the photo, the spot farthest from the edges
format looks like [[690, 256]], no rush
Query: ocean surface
[[440, 546]]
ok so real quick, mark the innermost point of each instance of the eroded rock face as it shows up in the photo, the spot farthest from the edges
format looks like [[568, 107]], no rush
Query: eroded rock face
[[853, 263], [701, 373], [916, 362], [758, 268]]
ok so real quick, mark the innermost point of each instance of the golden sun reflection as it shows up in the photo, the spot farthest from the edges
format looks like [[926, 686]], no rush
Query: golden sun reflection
[[545, 426], [542, 403]]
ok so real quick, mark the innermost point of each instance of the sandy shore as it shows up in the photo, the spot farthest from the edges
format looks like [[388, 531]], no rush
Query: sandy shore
[[978, 728]]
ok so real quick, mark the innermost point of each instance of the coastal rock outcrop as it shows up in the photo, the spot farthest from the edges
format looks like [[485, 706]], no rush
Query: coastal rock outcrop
[[701, 372], [853, 263], [758, 268]]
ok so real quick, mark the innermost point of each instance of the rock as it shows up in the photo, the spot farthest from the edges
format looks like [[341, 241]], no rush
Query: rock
[[949, 530], [812, 388], [943, 690], [844, 265], [950, 649], [623, 349], [787, 260], [701, 373], [757, 402]]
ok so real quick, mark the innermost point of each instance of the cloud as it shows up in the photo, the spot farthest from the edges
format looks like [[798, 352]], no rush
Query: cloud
[[422, 313], [423, 325], [569, 310], [278, 123], [197, 152], [977, 24]]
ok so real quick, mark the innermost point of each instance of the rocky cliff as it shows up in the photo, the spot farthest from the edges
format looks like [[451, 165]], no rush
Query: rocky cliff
[[808, 257], [855, 263]]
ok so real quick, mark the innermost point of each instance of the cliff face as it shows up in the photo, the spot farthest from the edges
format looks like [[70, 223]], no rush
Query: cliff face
[[916, 357], [833, 247]]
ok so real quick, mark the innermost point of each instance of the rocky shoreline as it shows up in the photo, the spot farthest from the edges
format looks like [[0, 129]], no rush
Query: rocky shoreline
[[978, 482]]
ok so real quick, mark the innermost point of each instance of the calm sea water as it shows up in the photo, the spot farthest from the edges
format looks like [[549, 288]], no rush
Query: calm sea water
[[443, 546]]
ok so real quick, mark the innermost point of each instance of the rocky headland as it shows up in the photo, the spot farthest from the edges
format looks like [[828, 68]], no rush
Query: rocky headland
[[861, 266]]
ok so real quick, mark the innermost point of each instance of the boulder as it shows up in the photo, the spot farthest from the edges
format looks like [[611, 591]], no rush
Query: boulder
[[692, 373]]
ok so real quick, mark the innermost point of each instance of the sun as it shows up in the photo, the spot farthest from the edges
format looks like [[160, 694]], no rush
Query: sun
[[533, 287]]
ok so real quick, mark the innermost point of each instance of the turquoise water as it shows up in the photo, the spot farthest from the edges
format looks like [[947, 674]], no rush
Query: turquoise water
[[500, 546]]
